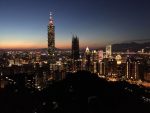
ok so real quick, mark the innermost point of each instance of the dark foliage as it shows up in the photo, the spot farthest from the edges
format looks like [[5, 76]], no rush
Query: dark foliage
[[81, 92]]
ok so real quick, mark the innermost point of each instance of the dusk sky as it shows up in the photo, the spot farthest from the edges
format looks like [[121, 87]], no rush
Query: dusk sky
[[23, 23]]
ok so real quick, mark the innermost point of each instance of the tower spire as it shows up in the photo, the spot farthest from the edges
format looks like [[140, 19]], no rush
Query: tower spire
[[51, 18], [50, 14]]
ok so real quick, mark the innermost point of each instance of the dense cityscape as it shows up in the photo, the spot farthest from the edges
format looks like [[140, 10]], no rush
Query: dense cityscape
[[37, 69], [110, 79], [42, 66]]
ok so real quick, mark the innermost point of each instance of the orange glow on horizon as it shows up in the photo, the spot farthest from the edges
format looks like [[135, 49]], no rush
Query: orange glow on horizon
[[20, 45], [27, 45], [63, 46]]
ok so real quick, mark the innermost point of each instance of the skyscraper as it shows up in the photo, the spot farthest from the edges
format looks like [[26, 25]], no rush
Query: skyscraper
[[51, 40], [88, 59], [108, 51], [75, 48]]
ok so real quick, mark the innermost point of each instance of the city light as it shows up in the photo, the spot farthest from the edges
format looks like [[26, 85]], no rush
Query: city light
[[44, 69]]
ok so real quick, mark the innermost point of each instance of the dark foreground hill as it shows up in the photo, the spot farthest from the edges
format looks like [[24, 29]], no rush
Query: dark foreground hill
[[81, 92]]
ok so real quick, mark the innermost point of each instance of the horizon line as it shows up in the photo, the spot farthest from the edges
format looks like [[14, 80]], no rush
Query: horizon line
[[47, 48]]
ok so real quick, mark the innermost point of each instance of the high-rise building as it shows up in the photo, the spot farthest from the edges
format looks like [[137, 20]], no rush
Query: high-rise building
[[94, 56], [75, 48], [100, 55], [51, 40], [101, 68], [132, 69], [88, 59], [108, 51]]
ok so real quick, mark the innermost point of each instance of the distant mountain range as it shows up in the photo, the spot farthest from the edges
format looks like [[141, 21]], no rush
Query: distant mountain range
[[132, 46]]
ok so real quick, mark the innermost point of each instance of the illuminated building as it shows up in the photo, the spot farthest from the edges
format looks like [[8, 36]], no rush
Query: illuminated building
[[104, 66], [101, 68], [38, 57], [100, 65], [51, 40], [146, 75], [94, 67], [132, 69], [87, 51], [108, 51], [112, 66], [88, 59], [128, 68], [100, 55], [94, 57], [118, 59]]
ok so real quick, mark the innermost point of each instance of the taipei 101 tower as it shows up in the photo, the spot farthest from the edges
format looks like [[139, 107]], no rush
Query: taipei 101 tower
[[51, 40]]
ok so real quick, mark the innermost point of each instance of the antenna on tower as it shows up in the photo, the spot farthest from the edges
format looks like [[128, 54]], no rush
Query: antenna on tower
[[51, 19], [50, 14]]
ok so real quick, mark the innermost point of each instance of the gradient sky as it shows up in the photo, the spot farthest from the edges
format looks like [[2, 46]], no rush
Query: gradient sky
[[23, 23]]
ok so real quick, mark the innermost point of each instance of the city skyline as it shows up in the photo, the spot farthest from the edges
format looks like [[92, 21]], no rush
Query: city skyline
[[23, 24]]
